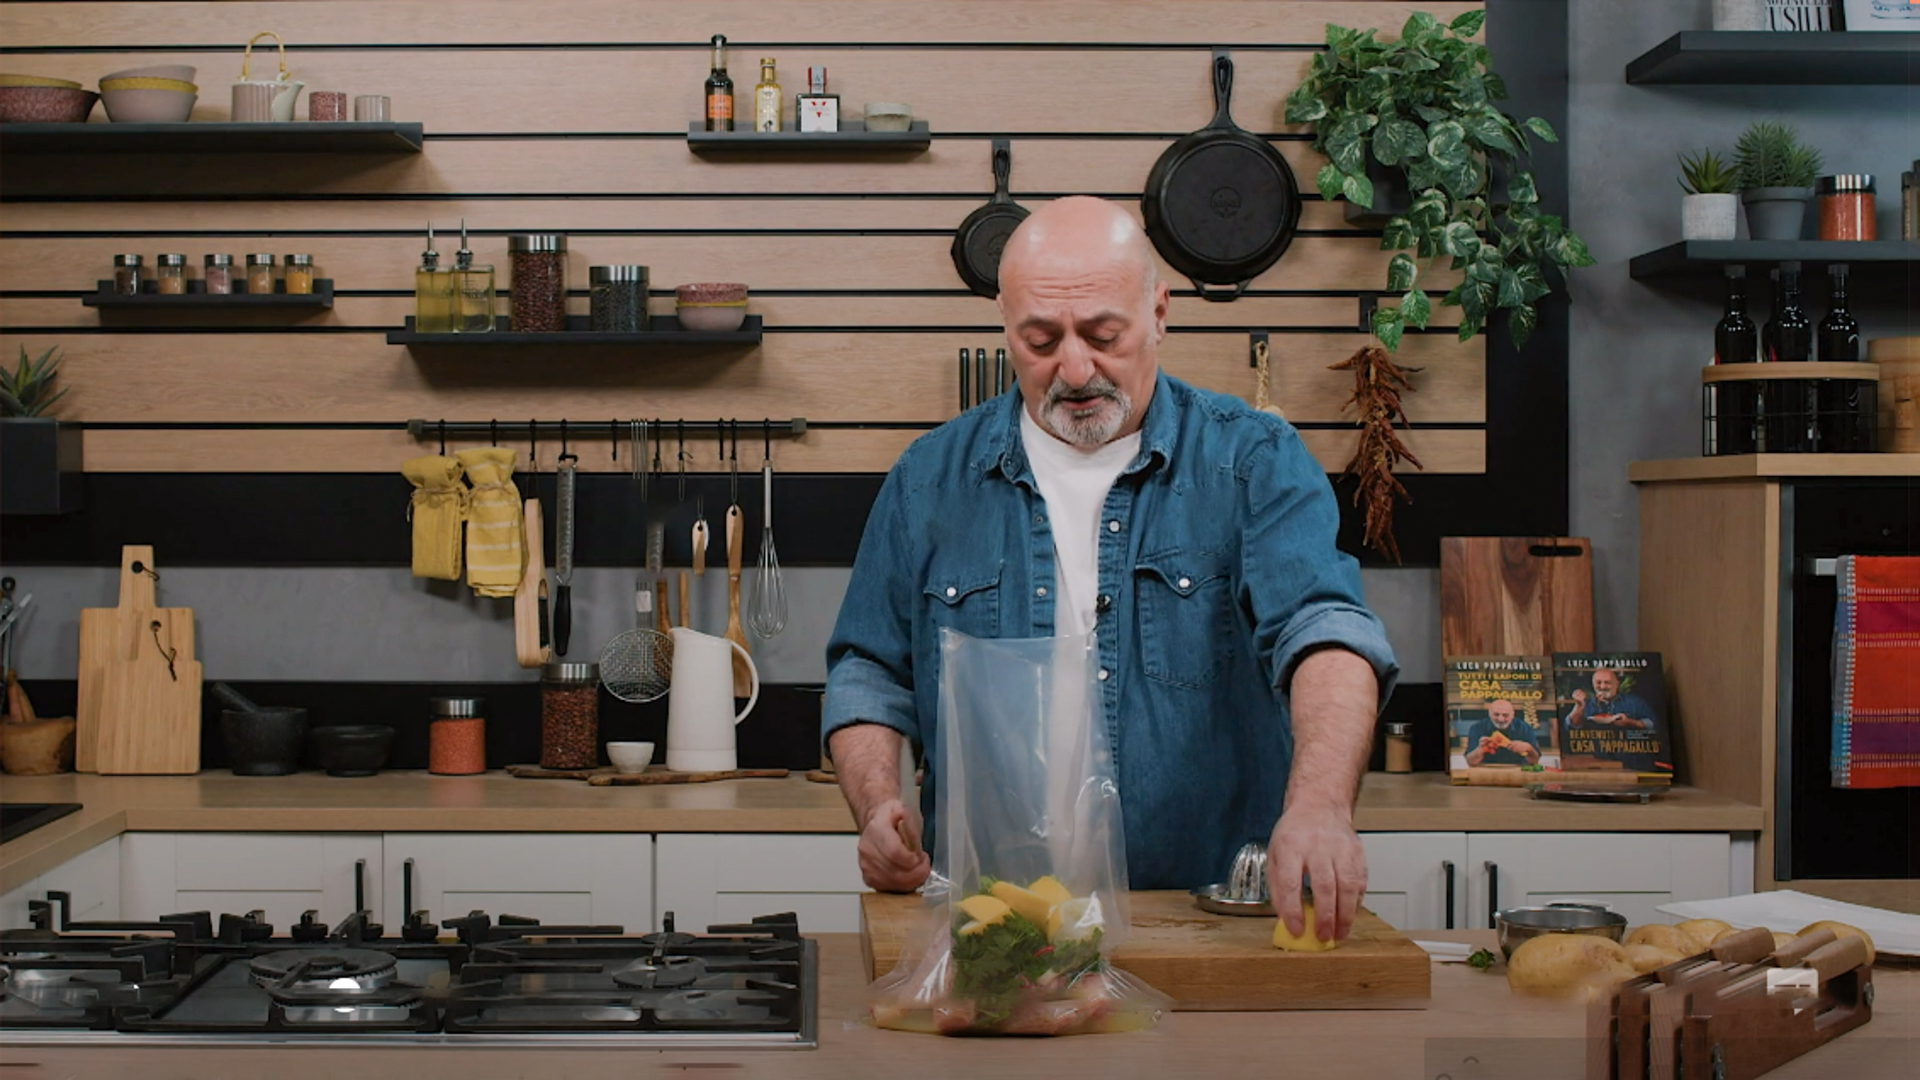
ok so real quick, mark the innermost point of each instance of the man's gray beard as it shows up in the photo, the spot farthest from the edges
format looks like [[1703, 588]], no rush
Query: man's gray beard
[[1096, 430]]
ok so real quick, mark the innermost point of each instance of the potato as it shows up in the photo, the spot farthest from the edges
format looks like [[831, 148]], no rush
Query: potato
[[1557, 965], [1780, 940], [1842, 930], [1703, 931], [1645, 958], [1664, 936]]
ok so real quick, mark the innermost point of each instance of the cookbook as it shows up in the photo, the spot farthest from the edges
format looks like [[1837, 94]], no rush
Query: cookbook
[[1500, 719], [1612, 715]]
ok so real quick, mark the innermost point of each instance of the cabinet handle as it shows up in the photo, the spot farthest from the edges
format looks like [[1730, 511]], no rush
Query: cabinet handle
[[406, 889], [1493, 891], [359, 885], [1446, 867]]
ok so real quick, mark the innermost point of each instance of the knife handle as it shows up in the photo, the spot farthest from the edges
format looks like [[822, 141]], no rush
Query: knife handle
[[700, 547], [736, 539], [562, 618]]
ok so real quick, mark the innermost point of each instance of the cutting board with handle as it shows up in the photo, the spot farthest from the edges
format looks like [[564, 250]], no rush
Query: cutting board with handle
[[1515, 595], [136, 713], [1208, 962]]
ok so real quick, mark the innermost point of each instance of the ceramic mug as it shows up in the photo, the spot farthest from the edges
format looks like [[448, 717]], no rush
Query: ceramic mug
[[371, 108], [327, 106]]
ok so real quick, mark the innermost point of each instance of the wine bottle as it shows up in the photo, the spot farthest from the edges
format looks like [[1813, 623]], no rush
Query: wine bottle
[[1843, 428], [1789, 336], [1736, 340], [719, 89]]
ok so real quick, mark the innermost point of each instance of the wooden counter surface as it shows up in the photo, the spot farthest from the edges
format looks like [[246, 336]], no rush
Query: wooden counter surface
[[496, 802], [1771, 466], [1472, 1015]]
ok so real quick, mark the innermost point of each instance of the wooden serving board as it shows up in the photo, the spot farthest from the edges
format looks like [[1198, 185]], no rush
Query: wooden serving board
[[136, 715], [607, 776], [1515, 595], [1209, 962]]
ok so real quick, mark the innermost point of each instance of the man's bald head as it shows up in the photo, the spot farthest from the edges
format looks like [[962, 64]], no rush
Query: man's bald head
[[1076, 236]]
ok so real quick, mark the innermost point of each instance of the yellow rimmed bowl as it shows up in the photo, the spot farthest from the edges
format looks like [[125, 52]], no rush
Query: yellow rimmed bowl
[[38, 80], [148, 100], [711, 306], [149, 82], [178, 72]]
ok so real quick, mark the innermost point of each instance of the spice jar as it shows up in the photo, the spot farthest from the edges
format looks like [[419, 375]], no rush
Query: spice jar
[[1846, 207], [569, 715], [1399, 748], [170, 275], [1910, 204], [299, 274], [617, 299], [126, 275], [260, 273], [218, 274], [457, 737], [539, 286]]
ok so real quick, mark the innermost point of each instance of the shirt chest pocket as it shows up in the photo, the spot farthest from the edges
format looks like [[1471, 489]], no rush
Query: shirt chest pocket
[[1188, 629], [966, 599]]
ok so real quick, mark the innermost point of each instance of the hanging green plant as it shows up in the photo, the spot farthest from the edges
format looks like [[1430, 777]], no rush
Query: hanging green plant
[[1424, 106]]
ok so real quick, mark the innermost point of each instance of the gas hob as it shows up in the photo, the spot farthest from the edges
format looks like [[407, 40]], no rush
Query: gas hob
[[183, 979]]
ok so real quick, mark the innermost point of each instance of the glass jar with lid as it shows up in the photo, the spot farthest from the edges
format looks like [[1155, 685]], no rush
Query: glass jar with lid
[[569, 715], [1846, 207], [617, 299], [299, 274], [260, 273], [218, 274], [538, 297], [170, 275], [127, 274], [457, 737]]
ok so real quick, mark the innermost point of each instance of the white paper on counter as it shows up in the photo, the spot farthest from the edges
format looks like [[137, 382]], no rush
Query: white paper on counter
[[1446, 952], [1787, 911]]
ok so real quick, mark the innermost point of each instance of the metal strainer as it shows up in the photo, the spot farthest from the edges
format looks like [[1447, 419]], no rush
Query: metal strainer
[[638, 664]]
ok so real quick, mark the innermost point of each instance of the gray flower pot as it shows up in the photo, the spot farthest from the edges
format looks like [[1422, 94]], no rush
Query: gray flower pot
[[1776, 213], [40, 466]]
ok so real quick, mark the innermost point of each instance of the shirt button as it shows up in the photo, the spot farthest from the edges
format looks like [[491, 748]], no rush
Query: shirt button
[[1041, 591], [1113, 526], [1103, 674], [1186, 583], [952, 592], [1039, 519]]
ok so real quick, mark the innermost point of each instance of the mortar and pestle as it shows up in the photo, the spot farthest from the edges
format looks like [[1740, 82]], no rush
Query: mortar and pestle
[[262, 740]]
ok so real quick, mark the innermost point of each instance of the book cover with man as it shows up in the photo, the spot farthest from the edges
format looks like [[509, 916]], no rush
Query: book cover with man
[[1500, 718], [1613, 714]]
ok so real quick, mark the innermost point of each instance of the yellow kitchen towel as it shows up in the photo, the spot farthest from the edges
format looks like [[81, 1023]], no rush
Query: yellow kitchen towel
[[437, 510], [495, 552]]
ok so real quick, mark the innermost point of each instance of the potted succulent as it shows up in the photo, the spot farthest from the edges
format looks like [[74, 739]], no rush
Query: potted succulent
[[1776, 172], [1710, 209], [40, 466]]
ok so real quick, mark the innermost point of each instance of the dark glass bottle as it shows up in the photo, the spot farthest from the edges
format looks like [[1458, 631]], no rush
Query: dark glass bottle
[[1839, 333], [1792, 407], [719, 89], [1736, 340], [1789, 334], [1845, 426]]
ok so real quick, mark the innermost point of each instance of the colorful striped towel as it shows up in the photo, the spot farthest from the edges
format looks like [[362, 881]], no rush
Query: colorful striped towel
[[1876, 673]]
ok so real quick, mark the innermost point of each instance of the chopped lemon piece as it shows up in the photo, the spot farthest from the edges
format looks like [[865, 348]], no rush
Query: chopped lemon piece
[[974, 927], [1074, 920], [1306, 942], [1031, 907], [1049, 889], [984, 910]]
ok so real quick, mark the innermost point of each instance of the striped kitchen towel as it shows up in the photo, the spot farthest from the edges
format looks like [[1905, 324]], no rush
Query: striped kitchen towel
[[1876, 673], [495, 552]]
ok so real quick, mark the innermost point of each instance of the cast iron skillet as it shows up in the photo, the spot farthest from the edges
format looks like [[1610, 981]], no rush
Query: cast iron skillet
[[1221, 204], [980, 239]]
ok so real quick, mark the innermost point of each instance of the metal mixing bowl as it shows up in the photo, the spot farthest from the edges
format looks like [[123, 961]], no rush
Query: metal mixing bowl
[[1521, 923]]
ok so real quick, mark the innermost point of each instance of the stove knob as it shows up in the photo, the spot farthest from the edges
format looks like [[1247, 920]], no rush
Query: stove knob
[[309, 928], [419, 929], [373, 931]]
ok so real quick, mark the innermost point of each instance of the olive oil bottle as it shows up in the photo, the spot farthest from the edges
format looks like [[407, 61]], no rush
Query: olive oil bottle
[[474, 293], [433, 299], [766, 98]]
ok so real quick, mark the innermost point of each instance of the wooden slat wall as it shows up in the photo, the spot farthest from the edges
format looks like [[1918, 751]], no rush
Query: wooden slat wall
[[570, 116]]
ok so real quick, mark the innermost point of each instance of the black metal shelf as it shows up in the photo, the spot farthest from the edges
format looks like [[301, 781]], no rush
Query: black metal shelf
[[293, 137], [853, 137], [1769, 58], [1706, 257], [663, 330], [197, 299]]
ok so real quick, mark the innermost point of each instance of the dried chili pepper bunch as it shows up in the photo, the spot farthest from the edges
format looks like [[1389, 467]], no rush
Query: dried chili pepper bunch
[[1378, 384]]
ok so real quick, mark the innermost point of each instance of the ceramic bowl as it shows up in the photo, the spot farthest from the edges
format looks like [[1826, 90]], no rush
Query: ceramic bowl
[[1519, 924], [38, 80], [146, 106], [630, 757], [350, 749], [265, 742], [45, 105], [712, 318], [177, 72], [889, 116], [711, 292]]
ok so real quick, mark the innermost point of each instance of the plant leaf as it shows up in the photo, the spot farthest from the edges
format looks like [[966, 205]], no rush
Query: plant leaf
[[1487, 129], [1570, 250], [1400, 273], [1445, 142], [1398, 233], [1520, 189], [1304, 106], [1387, 327], [1520, 324], [1541, 128], [1358, 189], [1511, 294], [1396, 140], [10, 405], [1469, 326], [1350, 154], [1415, 308], [1330, 180], [1418, 25], [1468, 23], [1458, 238]]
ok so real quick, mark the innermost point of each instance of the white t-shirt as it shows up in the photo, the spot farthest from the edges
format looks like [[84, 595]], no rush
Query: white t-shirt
[[1074, 482]]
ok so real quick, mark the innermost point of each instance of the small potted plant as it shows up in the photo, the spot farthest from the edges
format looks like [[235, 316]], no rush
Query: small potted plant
[[1710, 209], [40, 468], [1776, 172]]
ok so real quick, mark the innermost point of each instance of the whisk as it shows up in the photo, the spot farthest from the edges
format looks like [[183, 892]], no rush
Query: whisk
[[769, 603]]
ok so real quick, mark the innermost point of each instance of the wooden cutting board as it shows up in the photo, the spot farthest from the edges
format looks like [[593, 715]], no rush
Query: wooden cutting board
[[607, 776], [1209, 962], [1515, 595], [113, 638]]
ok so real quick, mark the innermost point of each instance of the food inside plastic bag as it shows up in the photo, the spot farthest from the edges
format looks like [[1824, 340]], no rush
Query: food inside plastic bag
[[1028, 899]]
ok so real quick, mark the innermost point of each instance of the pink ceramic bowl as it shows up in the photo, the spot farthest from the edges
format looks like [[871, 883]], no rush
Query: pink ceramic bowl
[[177, 72], [712, 292], [45, 105], [149, 106], [720, 318]]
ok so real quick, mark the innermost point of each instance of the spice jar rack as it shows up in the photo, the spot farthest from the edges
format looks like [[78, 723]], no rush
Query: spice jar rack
[[196, 298], [661, 330], [852, 138]]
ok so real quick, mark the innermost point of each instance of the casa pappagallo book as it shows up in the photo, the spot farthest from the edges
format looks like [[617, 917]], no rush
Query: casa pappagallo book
[[1612, 710], [1500, 718]]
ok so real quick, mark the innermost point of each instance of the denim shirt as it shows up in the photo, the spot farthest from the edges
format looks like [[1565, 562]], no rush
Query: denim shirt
[[1217, 574]]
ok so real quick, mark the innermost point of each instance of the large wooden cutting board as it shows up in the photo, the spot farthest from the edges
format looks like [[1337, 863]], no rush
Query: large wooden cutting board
[[136, 715], [1515, 595], [1209, 962]]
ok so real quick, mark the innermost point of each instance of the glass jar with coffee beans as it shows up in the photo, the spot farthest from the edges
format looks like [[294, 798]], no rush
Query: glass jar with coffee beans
[[538, 296], [569, 715], [617, 299]]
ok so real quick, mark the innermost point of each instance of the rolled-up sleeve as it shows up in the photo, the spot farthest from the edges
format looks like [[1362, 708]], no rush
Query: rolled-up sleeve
[[1303, 592], [870, 655]]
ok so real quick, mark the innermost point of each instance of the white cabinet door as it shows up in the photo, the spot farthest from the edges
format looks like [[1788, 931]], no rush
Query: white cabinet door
[[710, 878], [1408, 877], [282, 874], [91, 880], [1631, 873], [571, 878]]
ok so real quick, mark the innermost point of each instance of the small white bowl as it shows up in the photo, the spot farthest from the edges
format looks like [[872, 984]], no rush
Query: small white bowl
[[889, 116], [712, 318], [630, 757]]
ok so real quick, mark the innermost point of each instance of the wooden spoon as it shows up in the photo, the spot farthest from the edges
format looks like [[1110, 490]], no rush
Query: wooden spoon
[[736, 530]]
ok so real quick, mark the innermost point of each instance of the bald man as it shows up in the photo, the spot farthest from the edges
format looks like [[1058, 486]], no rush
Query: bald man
[[1240, 673]]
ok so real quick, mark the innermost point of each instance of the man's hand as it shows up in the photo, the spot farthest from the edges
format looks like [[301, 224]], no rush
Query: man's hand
[[867, 761], [1320, 842], [890, 855], [1580, 696]]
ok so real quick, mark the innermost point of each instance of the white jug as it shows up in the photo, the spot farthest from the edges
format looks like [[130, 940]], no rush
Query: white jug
[[700, 716]]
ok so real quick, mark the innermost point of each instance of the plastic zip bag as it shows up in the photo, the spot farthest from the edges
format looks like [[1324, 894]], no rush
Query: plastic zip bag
[[1028, 900]]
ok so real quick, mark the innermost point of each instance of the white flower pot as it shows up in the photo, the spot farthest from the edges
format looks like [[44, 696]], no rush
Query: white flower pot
[[1709, 217], [1739, 14]]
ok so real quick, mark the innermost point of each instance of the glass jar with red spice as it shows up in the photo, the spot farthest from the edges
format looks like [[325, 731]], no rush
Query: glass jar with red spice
[[457, 737], [1846, 207]]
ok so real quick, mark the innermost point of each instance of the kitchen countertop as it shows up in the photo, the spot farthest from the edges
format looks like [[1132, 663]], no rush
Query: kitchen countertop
[[496, 802], [1472, 1014]]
